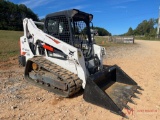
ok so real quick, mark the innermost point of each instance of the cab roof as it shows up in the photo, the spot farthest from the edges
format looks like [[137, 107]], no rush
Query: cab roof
[[71, 13]]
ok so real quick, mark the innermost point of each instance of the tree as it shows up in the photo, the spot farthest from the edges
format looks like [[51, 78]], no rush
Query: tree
[[130, 31], [12, 15], [102, 31], [145, 28]]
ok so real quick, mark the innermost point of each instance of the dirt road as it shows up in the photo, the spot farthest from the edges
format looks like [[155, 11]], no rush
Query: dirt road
[[22, 101]]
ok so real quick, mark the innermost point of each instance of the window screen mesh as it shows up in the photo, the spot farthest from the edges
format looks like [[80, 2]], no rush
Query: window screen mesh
[[59, 28]]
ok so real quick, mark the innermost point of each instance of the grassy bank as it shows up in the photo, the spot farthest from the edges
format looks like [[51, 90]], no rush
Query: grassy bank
[[9, 44]]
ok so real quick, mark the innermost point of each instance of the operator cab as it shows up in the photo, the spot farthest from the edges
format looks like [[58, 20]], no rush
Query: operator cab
[[71, 26]]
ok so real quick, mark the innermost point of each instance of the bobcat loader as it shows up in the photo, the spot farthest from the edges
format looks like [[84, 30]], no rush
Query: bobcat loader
[[63, 59]]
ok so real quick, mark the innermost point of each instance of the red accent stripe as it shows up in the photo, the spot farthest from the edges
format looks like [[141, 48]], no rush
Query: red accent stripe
[[48, 47], [56, 41], [23, 53]]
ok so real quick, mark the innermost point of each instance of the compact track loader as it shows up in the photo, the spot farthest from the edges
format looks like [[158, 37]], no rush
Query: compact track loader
[[63, 59]]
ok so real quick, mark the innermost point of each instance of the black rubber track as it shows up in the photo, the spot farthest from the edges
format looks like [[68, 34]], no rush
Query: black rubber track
[[54, 72]]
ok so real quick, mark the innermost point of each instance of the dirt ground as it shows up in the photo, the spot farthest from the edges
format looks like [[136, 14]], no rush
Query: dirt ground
[[21, 101]]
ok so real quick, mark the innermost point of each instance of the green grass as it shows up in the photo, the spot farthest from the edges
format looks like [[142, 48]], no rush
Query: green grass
[[9, 44], [103, 41]]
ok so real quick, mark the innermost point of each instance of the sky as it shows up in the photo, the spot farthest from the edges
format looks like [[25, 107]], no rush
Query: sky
[[116, 16]]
